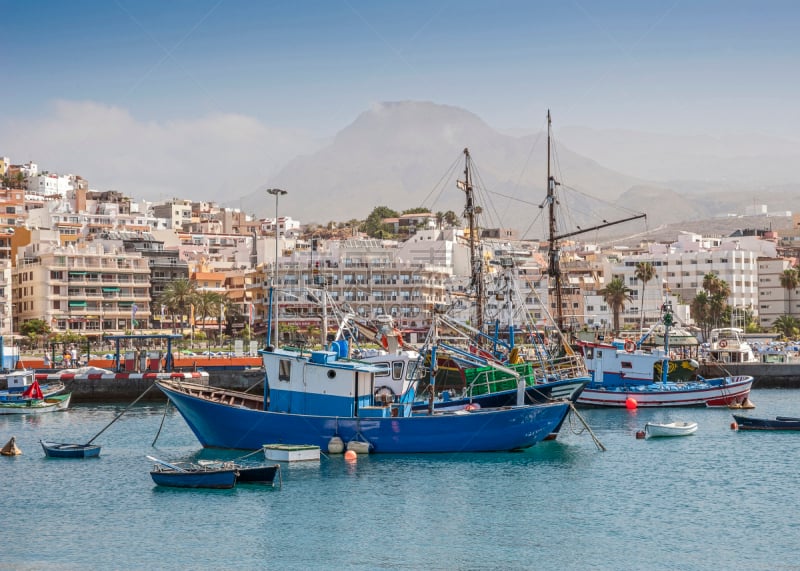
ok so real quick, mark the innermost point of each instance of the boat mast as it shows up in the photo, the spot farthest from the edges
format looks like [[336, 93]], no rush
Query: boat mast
[[475, 259], [553, 268], [554, 251]]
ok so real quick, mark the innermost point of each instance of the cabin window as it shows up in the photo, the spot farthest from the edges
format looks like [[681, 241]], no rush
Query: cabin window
[[626, 365], [284, 370], [384, 369], [589, 352], [397, 370]]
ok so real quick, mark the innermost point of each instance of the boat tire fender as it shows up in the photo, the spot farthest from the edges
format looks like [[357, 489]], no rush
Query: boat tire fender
[[630, 346], [723, 343]]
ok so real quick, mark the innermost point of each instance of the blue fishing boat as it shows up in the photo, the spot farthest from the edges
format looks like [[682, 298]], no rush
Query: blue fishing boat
[[187, 475], [312, 397]]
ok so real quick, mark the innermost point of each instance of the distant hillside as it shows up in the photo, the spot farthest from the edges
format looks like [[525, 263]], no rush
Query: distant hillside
[[408, 154]]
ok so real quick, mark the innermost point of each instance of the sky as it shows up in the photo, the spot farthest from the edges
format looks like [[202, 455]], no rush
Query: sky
[[207, 99]]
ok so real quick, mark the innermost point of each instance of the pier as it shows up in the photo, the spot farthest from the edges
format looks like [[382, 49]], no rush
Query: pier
[[765, 375]]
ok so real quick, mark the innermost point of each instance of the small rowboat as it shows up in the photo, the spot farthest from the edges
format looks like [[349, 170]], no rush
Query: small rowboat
[[192, 475], [36, 406], [652, 429], [64, 450], [778, 423]]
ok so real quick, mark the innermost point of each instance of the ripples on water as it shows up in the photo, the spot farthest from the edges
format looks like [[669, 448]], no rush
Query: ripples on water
[[715, 500]]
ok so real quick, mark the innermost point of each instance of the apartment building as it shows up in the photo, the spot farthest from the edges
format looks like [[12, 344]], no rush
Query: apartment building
[[90, 288]]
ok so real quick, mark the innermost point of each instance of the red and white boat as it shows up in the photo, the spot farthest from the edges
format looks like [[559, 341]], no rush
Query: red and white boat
[[625, 375]]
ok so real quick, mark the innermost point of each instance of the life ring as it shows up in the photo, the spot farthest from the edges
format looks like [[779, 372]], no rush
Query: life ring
[[630, 346], [723, 343], [384, 394]]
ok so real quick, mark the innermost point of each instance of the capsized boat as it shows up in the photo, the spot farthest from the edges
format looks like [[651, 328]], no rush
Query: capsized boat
[[682, 428], [777, 423], [317, 395]]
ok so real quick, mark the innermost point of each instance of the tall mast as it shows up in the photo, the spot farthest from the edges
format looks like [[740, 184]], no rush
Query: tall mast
[[553, 268], [475, 258]]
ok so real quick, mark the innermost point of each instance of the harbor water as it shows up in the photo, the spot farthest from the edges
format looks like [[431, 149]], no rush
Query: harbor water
[[718, 499]]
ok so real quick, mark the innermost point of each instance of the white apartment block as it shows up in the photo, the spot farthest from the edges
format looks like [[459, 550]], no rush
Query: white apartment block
[[49, 184], [175, 212], [773, 299], [681, 273]]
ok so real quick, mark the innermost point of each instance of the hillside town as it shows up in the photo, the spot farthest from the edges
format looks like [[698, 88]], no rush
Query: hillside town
[[88, 263]]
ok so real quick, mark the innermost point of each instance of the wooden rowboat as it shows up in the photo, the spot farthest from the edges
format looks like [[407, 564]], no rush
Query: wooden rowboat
[[652, 429], [187, 475], [64, 450]]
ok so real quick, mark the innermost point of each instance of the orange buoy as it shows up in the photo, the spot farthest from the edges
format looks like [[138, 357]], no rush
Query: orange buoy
[[734, 426], [630, 403], [350, 456]]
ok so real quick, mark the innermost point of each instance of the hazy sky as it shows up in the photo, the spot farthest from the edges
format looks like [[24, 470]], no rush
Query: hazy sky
[[128, 92]]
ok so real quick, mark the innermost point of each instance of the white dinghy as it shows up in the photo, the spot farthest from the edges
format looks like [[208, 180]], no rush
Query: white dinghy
[[652, 430]]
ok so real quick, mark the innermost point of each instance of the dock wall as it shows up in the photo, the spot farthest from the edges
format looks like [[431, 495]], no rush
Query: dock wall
[[765, 375], [99, 390]]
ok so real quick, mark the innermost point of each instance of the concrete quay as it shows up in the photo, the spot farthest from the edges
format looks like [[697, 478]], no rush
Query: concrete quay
[[124, 390], [765, 375]]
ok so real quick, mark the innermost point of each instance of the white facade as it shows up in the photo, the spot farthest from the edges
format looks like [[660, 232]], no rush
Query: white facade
[[773, 299], [48, 184]]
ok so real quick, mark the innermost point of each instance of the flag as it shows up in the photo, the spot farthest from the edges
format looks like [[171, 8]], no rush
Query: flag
[[134, 309], [461, 184], [34, 391]]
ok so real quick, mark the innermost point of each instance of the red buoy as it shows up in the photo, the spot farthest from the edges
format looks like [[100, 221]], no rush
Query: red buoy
[[734, 426], [630, 403], [640, 434]]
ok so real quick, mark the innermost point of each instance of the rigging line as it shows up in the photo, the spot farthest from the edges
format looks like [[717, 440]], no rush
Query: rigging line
[[448, 174], [600, 200], [526, 164], [538, 217]]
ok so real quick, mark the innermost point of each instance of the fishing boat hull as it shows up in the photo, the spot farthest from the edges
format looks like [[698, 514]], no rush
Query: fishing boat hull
[[201, 478], [220, 425], [64, 450], [777, 423], [655, 430], [36, 406], [721, 392]]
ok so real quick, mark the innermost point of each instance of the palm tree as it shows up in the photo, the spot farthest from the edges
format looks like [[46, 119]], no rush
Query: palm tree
[[615, 294], [789, 281], [207, 304], [787, 325], [700, 307], [644, 273], [177, 297]]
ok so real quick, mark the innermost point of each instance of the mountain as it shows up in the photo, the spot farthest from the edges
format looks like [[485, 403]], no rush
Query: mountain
[[410, 153]]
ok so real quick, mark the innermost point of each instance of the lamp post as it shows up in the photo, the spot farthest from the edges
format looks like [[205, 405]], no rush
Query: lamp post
[[276, 192]]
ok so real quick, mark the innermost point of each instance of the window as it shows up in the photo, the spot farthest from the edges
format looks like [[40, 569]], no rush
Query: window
[[626, 365], [284, 370], [397, 370]]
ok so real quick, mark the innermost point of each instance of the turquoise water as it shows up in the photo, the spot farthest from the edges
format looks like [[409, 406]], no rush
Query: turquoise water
[[715, 500]]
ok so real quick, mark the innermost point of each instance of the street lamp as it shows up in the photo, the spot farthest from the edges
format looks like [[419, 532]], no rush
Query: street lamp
[[276, 192]]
